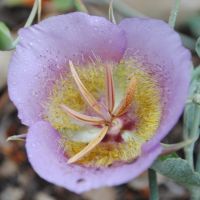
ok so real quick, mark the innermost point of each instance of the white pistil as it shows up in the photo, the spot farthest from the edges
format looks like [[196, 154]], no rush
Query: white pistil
[[116, 126]]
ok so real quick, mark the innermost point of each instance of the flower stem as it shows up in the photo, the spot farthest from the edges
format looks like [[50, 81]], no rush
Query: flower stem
[[119, 6], [174, 13], [36, 9], [128, 11], [153, 185], [198, 163], [193, 134], [39, 10]]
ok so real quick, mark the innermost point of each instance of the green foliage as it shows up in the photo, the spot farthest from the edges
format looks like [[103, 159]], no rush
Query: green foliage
[[177, 169], [174, 13], [35, 10], [194, 25], [63, 5], [80, 6], [191, 107], [6, 41], [191, 130], [195, 82], [171, 155], [198, 47]]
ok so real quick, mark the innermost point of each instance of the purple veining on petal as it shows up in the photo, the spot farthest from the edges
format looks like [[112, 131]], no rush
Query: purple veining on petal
[[45, 49]]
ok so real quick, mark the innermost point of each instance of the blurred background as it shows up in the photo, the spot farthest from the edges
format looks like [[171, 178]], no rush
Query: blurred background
[[18, 181]]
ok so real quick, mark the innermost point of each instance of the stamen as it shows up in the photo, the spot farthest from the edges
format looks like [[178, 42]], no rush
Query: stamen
[[126, 102], [81, 117], [110, 89], [90, 146], [94, 104]]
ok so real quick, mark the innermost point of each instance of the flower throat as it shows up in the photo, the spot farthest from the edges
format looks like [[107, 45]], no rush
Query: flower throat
[[104, 113]]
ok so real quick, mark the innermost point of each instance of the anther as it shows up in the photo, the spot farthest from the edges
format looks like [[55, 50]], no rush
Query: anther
[[110, 90], [81, 117], [90, 146], [93, 103], [127, 100]]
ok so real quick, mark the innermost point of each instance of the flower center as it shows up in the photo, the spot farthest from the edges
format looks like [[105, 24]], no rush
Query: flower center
[[108, 116], [113, 112]]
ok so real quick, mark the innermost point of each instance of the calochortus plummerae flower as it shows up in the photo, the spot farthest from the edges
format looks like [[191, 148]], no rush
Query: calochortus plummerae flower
[[97, 97]]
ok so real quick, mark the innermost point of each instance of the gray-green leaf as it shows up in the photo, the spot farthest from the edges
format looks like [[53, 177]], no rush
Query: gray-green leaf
[[177, 169]]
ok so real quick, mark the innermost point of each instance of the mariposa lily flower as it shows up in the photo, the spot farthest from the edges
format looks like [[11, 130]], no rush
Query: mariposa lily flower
[[98, 97]]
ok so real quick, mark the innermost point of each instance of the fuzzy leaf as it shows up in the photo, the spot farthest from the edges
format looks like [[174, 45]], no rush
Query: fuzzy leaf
[[177, 169], [190, 108], [6, 41]]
